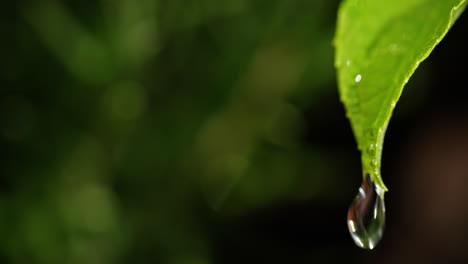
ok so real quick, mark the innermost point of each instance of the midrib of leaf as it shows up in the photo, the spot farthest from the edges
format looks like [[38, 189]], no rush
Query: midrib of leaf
[[384, 63]]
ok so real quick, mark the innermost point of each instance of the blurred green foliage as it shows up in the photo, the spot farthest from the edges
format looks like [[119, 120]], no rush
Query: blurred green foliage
[[128, 127]]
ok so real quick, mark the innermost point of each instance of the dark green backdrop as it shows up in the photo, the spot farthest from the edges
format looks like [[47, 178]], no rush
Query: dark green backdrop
[[185, 132]]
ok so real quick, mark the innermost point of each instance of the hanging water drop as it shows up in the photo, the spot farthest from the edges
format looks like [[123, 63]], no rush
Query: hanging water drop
[[366, 215]]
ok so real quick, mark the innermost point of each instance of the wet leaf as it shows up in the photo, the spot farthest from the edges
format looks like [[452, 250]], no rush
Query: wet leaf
[[379, 44]]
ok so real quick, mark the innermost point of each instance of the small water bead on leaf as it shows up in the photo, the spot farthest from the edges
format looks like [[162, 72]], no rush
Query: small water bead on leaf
[[366, 215], [371, 149], [358, 78], [372, 132]]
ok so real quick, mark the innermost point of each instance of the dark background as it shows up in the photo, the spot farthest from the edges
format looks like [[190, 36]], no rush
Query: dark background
[[205, 131]]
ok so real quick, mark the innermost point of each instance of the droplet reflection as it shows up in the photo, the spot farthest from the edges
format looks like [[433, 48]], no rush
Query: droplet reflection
[[358, 78], [366, 215]]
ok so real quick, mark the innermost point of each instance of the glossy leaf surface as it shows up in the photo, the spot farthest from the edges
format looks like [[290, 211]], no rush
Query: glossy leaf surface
[[379, 44]]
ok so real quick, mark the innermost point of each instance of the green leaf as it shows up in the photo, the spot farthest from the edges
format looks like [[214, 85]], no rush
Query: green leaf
[[379, 44]]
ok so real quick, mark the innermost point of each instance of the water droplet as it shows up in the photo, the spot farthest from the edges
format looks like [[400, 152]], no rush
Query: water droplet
[[371, 149], [348, 63], [358, 78], [366, 215], [372, 133]]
